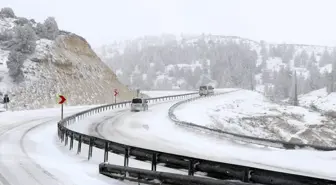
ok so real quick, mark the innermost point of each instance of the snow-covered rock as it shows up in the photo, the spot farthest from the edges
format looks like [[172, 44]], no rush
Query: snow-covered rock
[[67, 66]]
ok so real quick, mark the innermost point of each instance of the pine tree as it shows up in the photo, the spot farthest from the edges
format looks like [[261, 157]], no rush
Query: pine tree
[[325, 59]]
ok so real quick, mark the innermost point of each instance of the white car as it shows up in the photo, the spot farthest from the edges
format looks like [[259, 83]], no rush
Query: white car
[[139, 104]]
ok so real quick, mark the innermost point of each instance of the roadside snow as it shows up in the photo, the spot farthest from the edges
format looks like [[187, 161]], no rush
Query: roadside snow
[[250, 113], [320, 100], [154, 94]]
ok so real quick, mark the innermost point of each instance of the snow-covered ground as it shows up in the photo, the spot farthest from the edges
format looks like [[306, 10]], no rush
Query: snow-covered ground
[[154, 94], [250, 113], [30, 150], [319, 99], [30, 153], [153, 129]]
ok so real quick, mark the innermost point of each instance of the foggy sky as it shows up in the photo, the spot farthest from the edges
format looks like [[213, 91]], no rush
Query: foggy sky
[[103, 21]]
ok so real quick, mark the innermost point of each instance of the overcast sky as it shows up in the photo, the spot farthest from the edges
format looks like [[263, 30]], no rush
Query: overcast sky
[[103, 21]]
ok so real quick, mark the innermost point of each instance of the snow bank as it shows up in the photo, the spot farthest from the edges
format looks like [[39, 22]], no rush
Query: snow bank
[[250, 113], [154, 94], [319, 100]]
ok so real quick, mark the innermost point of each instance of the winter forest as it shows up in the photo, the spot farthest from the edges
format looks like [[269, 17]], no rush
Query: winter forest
[[168, 62]]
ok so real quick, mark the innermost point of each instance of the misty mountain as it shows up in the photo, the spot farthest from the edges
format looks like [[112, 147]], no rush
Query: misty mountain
[[185, 62]]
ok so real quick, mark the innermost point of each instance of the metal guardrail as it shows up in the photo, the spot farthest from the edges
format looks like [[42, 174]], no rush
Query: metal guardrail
[[158, 178], [218, 170], [239, 137]]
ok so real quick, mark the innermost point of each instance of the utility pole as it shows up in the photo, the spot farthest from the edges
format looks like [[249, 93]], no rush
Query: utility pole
[[252, 80], [295, 91], [61, 111]]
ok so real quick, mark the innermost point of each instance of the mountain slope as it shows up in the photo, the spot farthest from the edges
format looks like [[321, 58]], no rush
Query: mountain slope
[[64, 65]]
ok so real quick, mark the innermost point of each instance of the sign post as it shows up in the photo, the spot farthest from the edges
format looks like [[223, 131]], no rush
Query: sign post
[[138, 92], [63, 99], [115, 95]]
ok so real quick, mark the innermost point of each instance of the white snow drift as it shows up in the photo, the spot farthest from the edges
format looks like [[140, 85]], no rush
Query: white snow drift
[[250, 113]]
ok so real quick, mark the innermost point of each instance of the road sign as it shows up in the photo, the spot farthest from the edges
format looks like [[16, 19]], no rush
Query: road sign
[[116, 92], [63, 99], [115, 95]]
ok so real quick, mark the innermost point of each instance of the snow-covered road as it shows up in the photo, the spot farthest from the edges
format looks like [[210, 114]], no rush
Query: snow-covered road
[[30, 152], [153, 130]]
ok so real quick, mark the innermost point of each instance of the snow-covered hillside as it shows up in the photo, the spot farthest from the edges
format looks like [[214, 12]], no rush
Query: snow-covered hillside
[[321, 101], [38, 62], [184, 62], [250, 113]]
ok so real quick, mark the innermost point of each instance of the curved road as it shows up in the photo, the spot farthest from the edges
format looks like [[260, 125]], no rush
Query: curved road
[[153, 130], [28, 154]]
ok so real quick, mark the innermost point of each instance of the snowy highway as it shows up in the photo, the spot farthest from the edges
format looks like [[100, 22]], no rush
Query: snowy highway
[[30, 151], [153, 130]]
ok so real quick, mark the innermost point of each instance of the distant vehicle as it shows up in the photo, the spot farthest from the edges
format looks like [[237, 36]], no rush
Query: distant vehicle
[[139, 104], [203, 90], [211, 90], [206, 90]]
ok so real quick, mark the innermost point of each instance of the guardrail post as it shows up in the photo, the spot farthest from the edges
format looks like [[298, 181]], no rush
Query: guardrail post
[[90, 148], [62, 135], [79, 144], [154, 161], [191, 168], [106, 151], [246, 177], [66, 139], [71, 140], [59, 132], [126, 159]]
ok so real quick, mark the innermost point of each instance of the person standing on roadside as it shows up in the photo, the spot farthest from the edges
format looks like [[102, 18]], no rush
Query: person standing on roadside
[[6, 101]]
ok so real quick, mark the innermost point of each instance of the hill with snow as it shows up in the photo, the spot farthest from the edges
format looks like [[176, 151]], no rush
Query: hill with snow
[[250, 113], [184, 62], [39, 62], [320, 100]]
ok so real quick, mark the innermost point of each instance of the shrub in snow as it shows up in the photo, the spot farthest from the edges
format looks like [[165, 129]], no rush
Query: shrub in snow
[[41, 30], [32, 20], [7, 12], [21, 21], [6, 36], [14, 65], [24, 39], [51, 26]]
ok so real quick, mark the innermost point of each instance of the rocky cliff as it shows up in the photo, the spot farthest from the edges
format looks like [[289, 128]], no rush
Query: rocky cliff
[[65, 65]]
